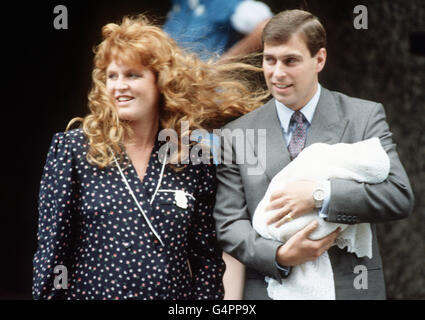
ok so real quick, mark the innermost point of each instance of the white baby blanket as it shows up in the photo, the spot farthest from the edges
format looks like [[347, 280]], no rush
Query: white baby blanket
[[364, 161]]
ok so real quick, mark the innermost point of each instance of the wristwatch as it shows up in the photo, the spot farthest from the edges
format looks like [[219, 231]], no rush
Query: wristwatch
[[318, 196]]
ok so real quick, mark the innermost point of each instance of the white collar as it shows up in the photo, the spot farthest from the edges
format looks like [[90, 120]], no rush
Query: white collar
[[284, 113]]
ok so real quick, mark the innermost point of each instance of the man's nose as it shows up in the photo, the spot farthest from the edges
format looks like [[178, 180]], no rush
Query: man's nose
[[280, 70]]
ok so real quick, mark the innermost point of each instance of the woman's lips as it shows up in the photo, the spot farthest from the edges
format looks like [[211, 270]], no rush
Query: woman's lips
[[124, 100]]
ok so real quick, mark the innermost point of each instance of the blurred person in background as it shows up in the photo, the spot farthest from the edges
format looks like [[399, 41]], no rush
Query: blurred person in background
[[214, 28]]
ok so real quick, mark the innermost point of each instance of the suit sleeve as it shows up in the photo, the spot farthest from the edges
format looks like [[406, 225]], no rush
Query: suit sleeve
[[55, 212], [352, 202], [234, 228], [205, 255]]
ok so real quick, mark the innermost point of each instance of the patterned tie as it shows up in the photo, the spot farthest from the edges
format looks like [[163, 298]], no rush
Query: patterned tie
[[298, 136]]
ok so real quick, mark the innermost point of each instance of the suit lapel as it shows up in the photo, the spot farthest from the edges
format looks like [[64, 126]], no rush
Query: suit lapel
[[277, 155], [327, 126]]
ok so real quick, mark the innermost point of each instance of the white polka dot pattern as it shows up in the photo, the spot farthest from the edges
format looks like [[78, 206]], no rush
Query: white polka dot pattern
[[89, 223]]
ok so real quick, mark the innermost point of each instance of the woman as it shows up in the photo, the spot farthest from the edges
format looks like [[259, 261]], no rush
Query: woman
[[122, 220]]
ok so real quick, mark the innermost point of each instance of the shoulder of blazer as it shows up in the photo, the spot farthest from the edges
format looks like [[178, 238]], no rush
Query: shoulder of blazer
[[335, 106], [251, 118], [351, 103]]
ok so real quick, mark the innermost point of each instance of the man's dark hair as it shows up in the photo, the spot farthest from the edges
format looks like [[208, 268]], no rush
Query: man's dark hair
[[290, 22]]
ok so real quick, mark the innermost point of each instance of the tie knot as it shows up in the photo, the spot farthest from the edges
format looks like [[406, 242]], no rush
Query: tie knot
[[298, 117]]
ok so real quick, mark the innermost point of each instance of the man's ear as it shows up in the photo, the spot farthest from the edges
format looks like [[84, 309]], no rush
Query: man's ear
[[321, 59]]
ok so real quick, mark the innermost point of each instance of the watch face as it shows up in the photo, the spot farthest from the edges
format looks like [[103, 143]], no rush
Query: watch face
[[319, 194]]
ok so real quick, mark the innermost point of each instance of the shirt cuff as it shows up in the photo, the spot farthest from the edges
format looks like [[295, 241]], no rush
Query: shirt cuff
[[323, 213], [283, 271]]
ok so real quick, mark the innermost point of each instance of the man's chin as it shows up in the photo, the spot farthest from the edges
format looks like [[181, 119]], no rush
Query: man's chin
[[284, 100]]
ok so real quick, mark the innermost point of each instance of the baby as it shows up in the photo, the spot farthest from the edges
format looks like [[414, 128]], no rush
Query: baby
[[364, 161]]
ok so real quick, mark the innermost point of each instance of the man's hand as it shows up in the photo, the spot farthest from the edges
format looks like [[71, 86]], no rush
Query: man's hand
[[299, 249], [295, 199]]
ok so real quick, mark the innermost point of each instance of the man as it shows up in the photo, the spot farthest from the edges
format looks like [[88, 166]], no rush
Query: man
[[302, 113]]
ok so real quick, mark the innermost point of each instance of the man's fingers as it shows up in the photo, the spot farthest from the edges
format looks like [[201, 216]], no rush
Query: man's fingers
[[276, 195], [287, 218], [335, 233], [322, 245], [309, 228], [275, 204], [329, 240], [278, 215]]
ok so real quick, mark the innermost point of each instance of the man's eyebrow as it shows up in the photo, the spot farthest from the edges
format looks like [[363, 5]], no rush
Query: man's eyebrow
[[282, 57]]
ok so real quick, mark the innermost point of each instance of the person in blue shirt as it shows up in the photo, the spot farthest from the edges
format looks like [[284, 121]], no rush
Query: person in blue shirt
[[213, 28]]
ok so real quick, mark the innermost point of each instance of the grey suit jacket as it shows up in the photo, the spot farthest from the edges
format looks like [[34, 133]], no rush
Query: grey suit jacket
[[338, 118]]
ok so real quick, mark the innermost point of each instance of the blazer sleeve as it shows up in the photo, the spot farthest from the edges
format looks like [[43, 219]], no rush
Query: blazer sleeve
[[352, 202], [233, 222], [205, 255], [55, 214]]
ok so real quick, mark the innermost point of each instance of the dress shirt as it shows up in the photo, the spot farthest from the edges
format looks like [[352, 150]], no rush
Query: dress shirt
[[284, 114]]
